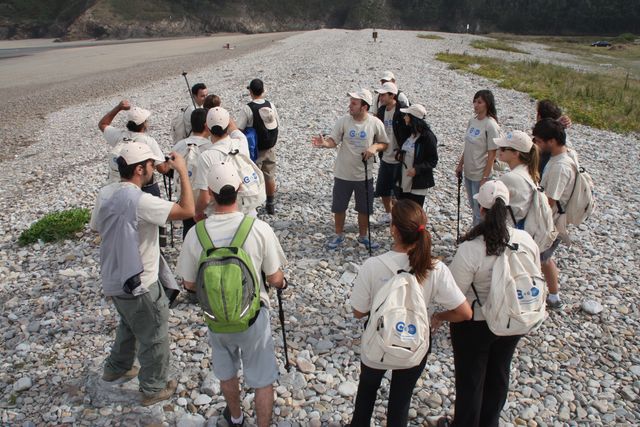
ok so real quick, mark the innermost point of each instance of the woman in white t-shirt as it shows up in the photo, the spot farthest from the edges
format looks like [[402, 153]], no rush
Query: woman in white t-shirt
[[418, 155], [518, 151], [482, 359], [479, 149], [411, 252]]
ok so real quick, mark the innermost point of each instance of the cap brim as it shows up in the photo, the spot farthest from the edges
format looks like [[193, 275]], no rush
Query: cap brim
[[405, 110], [353, 95], [501, 142]]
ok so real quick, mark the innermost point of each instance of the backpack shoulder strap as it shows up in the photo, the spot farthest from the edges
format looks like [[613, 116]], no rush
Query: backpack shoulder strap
[[203, 236], [391, 265], [242, 232]]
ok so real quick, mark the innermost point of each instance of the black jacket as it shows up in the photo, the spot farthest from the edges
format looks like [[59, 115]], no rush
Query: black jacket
[[425, 160], [400, 130]]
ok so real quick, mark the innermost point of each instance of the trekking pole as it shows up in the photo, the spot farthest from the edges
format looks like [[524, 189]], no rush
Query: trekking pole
[[184, 74], [459, 190], [287, 366], [171, 222], [366, 192]]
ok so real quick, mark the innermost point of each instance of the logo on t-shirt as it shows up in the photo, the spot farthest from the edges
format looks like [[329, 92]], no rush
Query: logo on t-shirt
[[352, 133], [363, 134], [474, 131]]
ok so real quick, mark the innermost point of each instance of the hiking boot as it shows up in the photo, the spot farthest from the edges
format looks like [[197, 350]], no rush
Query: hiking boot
[[270, 207], [226, 414], [365, 241], [164, 394], [554, 304], [335, 241], [385, 218], [125, 376]]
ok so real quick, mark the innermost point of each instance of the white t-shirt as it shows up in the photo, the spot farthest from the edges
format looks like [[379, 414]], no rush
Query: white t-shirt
[[389, 155], [114, 137], [558, 179], [262, 246], [477, 143], [520, 191], [245, 119], [217, 153], [472, 265], [353, 138], [152, 213]]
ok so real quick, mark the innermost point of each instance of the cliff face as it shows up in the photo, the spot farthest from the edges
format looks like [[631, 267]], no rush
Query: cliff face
[[76, 19]]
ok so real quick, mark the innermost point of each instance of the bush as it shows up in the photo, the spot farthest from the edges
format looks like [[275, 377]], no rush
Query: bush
[[430, 36], [496, 45], [56, 226]]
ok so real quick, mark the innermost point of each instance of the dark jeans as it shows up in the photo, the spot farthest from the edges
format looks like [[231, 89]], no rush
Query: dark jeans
[[402, 383], [482, 362], [416, 198]]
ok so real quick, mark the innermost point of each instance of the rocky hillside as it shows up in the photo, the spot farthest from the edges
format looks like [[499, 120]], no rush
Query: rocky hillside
[[74, 19]]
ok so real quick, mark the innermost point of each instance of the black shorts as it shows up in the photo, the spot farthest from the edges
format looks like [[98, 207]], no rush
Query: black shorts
[[342, 191]]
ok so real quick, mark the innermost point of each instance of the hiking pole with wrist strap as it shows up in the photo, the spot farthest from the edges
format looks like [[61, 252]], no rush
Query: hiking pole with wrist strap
[[459, 190], [184, 74], [366, 192], [287, 366]]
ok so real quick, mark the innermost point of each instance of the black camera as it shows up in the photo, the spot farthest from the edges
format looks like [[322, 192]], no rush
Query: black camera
[[132, 283]]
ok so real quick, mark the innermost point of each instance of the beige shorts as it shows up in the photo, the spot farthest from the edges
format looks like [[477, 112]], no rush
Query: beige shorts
[[266, 161]]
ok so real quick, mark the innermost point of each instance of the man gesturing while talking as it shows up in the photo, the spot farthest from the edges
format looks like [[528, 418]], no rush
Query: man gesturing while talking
[[359, 136]]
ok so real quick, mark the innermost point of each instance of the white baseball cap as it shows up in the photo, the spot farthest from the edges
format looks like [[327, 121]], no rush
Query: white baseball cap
[[217, 116], [518, 140], [138, 115], [136, 152], [221, 174], [268, 117], [416, 110], [387, 76], [363, 94], [388, 87], [490, 191]]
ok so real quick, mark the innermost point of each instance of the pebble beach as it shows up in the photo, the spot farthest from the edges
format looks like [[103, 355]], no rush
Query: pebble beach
[[56, 328]]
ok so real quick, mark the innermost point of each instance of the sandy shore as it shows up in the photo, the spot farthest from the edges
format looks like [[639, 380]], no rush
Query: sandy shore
[[40, 77]]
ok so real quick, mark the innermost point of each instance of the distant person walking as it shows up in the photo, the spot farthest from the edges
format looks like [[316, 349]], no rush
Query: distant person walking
[[263, 117], [482, 359], [476, 162], [418, 156], [359, 136], [411, 252]]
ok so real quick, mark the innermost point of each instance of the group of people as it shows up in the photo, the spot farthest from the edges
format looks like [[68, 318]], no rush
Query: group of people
[[129, 215]]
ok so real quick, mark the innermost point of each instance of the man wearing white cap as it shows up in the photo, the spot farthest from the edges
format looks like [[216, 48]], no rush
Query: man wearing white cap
[[360, 136], [253, 347], [389, 77], [263, 117], [127, 220], [136, 130], [397, 132], [225, 137]]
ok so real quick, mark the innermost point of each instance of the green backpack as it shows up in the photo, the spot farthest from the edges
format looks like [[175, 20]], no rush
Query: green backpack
[[227, 287]]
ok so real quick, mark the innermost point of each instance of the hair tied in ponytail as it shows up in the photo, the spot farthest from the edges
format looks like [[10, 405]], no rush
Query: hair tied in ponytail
[[420, 228]]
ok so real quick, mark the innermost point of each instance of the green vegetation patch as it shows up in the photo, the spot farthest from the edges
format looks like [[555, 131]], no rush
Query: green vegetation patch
[[497, 45], [56, 226], [430, 36], [598, 100]]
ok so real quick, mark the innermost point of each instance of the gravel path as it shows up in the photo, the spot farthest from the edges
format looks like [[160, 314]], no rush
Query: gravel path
[[56, 329]]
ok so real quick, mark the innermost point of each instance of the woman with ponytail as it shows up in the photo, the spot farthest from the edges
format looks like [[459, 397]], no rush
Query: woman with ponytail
[[520, 153], [482, 359], [411, 252]]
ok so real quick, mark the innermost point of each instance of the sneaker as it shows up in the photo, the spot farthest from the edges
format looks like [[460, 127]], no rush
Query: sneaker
[[226, 414], [335, 241], [130, 374], [159, 396], [365, 241], [385, 218], [554, 304], [270, 208]]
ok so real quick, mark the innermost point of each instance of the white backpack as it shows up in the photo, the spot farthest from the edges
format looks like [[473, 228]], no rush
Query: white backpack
[[397, 332], [539, 220], [252, 192], [581, 203], [178, 127], [191, 159], [516, 304]]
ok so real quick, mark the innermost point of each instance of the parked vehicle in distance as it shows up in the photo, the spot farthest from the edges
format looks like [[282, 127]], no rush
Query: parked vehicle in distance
[[601, 43]]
